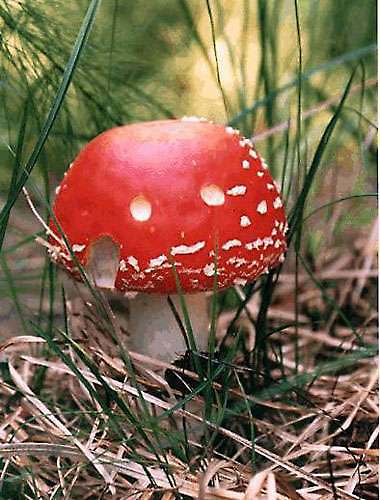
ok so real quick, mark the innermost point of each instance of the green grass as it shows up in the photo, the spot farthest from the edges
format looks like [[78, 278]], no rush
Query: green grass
[[70, 72]]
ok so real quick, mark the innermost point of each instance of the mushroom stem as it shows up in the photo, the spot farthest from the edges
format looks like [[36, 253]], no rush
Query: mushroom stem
[[154, 330]]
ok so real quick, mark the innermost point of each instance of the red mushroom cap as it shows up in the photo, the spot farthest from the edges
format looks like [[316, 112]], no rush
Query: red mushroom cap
[[184, 191]]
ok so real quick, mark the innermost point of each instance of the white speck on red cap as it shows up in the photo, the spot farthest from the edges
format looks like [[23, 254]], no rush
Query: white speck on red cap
[[209, 269], [245, 142], [245, 221], [262, 207], [212, 195], [232, 131], [78, 248], [246, 165], [132, 261], [277, 243], [237, 191], [237, 261], [267, 242], [231, 243], [277, 203], [187, 249], [140, 208], [158, 261], [254, 244]]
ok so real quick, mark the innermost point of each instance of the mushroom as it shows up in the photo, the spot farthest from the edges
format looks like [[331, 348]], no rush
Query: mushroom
[[190, 194]]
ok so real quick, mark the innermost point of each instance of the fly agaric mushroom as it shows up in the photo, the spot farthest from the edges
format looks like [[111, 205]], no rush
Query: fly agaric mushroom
[[142, 197]]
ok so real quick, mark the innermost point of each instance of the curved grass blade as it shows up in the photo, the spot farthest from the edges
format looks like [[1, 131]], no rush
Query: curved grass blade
[[339, 200], [16, 165], [296, 215], [212, 24]]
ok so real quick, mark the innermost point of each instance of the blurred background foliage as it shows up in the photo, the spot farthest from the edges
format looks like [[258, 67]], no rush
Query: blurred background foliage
[[151, 60]]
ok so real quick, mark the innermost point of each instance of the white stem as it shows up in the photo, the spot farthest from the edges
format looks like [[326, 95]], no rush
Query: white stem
[[154, 330]]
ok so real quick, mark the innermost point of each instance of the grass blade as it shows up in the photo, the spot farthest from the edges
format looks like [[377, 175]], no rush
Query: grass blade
[[297, 213]]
